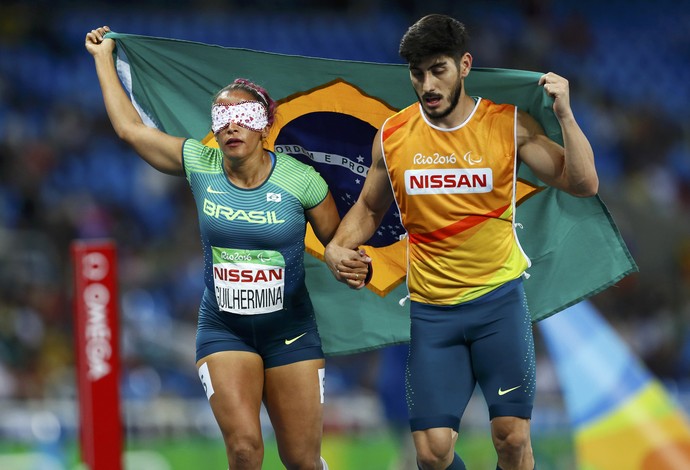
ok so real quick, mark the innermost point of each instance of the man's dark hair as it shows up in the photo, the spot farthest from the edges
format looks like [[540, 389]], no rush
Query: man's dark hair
[[434, 35]]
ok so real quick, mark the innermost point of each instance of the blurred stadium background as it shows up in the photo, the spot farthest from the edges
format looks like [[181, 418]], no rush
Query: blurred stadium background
[[63, 175]]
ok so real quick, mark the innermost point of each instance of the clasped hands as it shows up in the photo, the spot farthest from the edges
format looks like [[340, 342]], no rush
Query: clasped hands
[[350, 267]]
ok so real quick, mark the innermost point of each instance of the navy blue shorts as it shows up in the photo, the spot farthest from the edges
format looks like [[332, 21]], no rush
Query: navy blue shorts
[[280, 338], [486, 341]]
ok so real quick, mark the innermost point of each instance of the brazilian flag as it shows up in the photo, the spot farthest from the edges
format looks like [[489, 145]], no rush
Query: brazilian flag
[[328, 114]]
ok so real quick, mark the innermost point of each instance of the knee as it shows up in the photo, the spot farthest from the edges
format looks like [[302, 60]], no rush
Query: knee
[[246, 452], [302, 462], [430, 461], [299, 452], [434, 455], [512, 444]]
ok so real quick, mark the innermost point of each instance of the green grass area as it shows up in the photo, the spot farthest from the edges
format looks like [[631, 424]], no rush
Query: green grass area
[[343, 452]]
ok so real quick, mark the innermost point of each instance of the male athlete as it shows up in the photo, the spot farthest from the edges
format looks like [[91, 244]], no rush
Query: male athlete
[[450, 163]]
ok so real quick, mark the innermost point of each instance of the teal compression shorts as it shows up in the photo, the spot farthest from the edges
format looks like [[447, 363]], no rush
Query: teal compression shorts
[[487, 341], [280, 338]]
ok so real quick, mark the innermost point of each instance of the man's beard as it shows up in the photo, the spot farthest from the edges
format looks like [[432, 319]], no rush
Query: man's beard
[[454, 100]]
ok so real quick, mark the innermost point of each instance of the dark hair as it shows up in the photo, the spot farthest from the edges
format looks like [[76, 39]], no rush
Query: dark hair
[[257, 91], [434, 35]]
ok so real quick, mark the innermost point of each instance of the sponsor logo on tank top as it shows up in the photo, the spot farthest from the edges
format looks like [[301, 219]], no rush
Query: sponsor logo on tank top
[[449, 181]]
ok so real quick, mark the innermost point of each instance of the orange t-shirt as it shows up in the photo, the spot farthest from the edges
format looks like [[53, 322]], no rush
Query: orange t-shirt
[[455, 189]]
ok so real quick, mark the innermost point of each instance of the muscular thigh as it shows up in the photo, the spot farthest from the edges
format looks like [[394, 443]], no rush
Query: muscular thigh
[[294, 396], [233, 381], [439, 374], [503, 355]]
